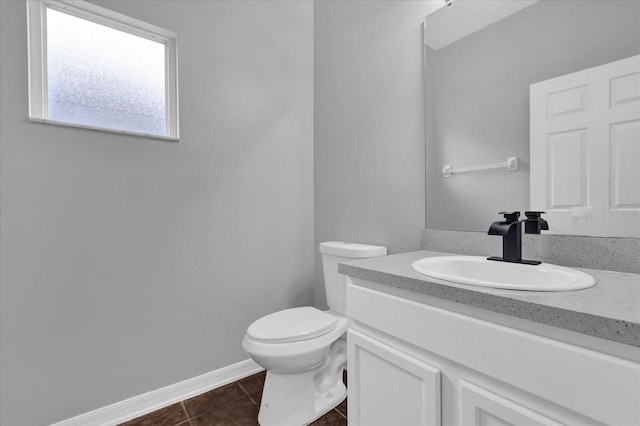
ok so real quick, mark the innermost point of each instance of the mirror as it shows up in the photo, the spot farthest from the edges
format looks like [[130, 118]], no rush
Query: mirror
[[478, 73]]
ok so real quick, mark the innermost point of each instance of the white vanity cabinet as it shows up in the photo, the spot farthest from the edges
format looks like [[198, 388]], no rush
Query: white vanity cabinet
[[415, 363]]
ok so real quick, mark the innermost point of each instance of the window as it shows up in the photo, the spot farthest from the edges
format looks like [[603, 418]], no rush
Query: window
[[94, 68]]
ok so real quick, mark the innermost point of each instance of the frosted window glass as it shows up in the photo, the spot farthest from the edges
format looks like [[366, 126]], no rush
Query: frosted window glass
[[99, 76]]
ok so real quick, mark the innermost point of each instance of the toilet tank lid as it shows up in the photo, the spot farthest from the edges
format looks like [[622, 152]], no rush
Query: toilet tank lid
[[354, 250]]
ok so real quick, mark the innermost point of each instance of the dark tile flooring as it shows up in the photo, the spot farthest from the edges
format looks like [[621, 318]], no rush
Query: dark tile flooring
[[235, 404]]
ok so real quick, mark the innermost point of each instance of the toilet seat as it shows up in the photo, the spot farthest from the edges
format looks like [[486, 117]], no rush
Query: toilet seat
[[292, 325], [296, 356]]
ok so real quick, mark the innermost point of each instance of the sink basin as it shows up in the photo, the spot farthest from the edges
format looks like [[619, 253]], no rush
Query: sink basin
[[479, 271]]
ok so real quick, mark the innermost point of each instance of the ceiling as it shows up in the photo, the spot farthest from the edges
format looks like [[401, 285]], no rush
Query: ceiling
[[464, 17]]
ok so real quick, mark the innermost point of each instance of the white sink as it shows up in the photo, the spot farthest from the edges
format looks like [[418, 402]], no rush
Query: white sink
[[479, 271]]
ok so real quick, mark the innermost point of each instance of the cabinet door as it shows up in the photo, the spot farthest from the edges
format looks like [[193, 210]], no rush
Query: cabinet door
[[390, 387], [480, 407]]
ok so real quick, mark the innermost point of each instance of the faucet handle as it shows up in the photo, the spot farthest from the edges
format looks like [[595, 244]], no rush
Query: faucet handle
[[510, 216], [534, 214]]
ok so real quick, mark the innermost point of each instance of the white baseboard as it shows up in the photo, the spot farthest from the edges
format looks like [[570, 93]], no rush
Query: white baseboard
[[148, 402]]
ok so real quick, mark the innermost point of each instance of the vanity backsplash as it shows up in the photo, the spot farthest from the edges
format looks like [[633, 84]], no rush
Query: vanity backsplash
[[610, 254]]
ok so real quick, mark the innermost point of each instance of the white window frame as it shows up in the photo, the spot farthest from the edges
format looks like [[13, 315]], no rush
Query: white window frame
[[37, 58]]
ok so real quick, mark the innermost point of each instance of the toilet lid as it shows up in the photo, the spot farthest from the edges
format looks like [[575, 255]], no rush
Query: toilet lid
[[292, 325]]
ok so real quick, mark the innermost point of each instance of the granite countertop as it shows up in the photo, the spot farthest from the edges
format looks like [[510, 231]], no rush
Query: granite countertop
[[609, 310]]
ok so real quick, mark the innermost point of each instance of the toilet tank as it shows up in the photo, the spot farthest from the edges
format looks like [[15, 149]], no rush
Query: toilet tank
[[335, 284]]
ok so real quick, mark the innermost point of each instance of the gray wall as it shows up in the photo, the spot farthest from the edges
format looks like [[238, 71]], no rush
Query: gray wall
[[480, 99], [369, 124], [129, 264]]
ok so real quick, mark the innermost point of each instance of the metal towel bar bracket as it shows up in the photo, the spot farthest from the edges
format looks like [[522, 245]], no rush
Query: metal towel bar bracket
[[511, 164]]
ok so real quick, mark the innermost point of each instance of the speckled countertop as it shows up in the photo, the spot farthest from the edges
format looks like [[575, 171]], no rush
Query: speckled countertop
[[609, 310]]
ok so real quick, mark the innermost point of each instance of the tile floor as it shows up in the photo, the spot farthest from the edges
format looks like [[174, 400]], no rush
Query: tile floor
[[235, 404]]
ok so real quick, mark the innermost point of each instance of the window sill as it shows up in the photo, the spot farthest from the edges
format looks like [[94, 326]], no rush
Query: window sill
[[103, 129]]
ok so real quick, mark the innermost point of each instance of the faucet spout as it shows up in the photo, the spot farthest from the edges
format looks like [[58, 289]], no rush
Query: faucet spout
[[500, 228]]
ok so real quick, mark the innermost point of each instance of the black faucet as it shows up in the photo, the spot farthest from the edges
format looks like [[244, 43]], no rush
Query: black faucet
[[533, 224], [511, 231]]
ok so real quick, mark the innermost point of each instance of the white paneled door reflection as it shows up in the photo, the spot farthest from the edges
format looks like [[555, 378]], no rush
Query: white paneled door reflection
[[585, 150]]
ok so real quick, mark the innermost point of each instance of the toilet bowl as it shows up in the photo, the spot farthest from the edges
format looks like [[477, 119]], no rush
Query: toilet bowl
[[304, 349], [297, 363]]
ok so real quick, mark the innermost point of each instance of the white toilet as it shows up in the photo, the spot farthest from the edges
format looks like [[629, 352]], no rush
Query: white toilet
[[304, 350]]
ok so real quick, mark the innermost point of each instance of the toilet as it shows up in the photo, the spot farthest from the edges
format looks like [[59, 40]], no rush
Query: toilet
[[304, 350]]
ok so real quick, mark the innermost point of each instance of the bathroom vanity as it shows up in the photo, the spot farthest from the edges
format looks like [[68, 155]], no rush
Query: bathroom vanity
[[428, 352]]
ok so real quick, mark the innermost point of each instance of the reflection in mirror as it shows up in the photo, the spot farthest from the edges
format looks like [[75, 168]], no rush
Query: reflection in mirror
[[477, 82]]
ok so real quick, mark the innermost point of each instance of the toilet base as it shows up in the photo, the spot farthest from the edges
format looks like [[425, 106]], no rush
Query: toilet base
[[299, 399], [292, 399]]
